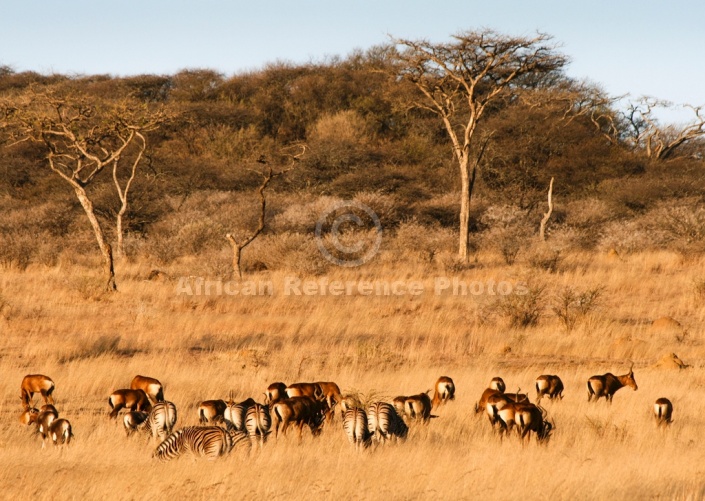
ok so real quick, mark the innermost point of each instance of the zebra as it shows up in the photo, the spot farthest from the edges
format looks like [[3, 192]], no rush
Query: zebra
[[211, 442], [384, 422], [235, 413], [161, 420], [258, 422], [356, 427]]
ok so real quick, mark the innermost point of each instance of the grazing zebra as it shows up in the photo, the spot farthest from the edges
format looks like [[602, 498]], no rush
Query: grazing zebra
[[210, 442], [355, 426], [161, 420], [235, 413], [134, 420], [258, 422], [384, 422]]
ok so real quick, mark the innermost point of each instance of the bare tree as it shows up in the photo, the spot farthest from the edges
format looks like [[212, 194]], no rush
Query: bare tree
[[660, 142], [268, 174], [459, 80], [547, 214], [81, 140]]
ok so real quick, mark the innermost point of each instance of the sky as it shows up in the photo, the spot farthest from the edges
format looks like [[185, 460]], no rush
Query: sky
[[640, 47]]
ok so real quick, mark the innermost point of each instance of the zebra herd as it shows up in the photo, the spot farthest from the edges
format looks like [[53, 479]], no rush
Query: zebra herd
[[226, 425]]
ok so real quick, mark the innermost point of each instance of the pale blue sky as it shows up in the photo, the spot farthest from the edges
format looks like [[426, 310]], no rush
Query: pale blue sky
[[641, 47]]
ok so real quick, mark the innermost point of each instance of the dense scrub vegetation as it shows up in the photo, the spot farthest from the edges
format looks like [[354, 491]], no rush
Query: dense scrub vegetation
[[365, 141]]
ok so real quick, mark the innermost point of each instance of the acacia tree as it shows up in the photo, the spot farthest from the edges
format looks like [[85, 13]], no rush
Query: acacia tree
[[458, 80], [81, 139]]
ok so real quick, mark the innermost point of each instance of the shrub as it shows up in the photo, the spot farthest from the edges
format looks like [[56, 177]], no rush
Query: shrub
[[522, 309], [570, 305]]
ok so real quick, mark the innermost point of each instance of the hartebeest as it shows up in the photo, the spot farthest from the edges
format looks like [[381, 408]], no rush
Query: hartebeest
[[300, 411], [134, 420], [36, 383], [550, 386], [331, 392], [60, 432], [607, 384], [443, 392], [663, 411], [29, 416], [152, 387], [311, 390], [496, 401], [418, 407], [210, 410], [134, 400], [531, 418], [497, 383], [275, 392]]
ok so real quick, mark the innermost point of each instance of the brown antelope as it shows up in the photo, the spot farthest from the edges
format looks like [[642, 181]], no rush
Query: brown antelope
[[663, 410], [607, 384], [275, 392], [530, 417], [36, 383], [497, 383], [210, 410], [312, 390], [299, 411], [418, 407], [331, 392], [60, 432], [134, 400], [496, 386], [134, 420], [399, 404], [497, 401], [44, 421], [152, 387], [29, 416], [443, 392], [550, 386]]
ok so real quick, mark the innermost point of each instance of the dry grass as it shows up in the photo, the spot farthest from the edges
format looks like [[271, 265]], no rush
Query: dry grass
[[54, 322]]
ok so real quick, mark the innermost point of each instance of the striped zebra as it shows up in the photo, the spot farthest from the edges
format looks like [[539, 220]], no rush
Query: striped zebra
[[384, 422], [235, 413], [356, 427], [210, 442], [258, 422], [161, 420]]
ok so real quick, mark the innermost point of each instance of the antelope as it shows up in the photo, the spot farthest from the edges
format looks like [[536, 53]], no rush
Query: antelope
[[496, 386], [211, 442], [29, 416], [45, 419], [607, 384], [384, 422], [399, 404], [311, 390], [331, 392], [663, 410], [235, 413], [497, 401], [134, 420], [135, 400], [444, 391], [275, 392], [36, 383], [60, 432], [497, 383], [300, 411], [418, 407], [550, 386], [530, 417], [152, 387], [356, 428], [210, 410]]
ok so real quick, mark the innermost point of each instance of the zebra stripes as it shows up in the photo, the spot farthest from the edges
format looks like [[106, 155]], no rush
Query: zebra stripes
[[258, 422], [235, 413], [356, 427], [210, 442], [161, 420], [384, 422]]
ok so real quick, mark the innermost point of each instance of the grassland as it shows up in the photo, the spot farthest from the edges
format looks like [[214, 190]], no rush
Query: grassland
[[54, 321]]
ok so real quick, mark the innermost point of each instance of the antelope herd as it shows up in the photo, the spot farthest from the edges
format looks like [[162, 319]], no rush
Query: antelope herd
[[226, 425]]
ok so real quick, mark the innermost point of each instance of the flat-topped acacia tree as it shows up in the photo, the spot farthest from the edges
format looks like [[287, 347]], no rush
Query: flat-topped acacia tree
[[82, 138], [458, 80]]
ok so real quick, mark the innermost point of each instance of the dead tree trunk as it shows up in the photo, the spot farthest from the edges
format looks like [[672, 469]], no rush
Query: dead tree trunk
[[106, 250], [123, 193], [547, 215]]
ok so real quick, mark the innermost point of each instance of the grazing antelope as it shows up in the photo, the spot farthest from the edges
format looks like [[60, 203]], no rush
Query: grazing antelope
[[384, 422], [497, 401], [331, 392], [60, 432], [275, 392], [258, 422], [530, 417], [399, 404], [663, 410], [134, 420], [607, 384], [29, 416], [161, 420], [235, 413], [44, 421], [550, 386], [312, 390], [356, 428], [496, 386], [444, 391], [36, 383], [418, 407], [152, 387], [211, 442], [210, 410], [300, 411], [135, 400], [497, 383]]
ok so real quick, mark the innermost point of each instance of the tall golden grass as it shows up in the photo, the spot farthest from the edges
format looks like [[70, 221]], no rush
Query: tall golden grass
[[56, 322]]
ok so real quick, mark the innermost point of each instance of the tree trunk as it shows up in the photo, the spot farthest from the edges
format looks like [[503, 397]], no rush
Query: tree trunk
[[105, 248], [547, 215], [237, 254], [463, 242], [118, 227]]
